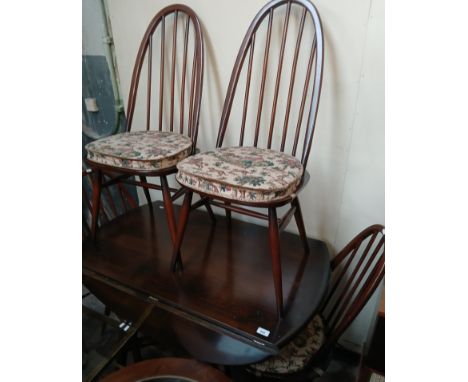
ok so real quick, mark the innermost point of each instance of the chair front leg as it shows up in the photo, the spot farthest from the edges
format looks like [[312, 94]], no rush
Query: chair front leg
[[97, 183], [183, 218], [228, 212], [273, 230], [300, 224], [169, 208]]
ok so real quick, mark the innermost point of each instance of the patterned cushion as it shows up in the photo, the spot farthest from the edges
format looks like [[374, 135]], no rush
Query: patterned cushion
[[297, 353], [242, 173], [140, 150]]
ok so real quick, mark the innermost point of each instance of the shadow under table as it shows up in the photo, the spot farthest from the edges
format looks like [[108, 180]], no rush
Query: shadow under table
[[222, 304]]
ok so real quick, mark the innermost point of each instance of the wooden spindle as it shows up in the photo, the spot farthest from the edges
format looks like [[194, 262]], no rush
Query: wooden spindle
[[278, 74], [174, 51], [184, 69], [350, 280], [316, 90], [148, 95], [264, 72], [304, 97], [346, 303], [293, 78], [161, 77], [192, 91], [353, 285], [247, 89], [340, 276]]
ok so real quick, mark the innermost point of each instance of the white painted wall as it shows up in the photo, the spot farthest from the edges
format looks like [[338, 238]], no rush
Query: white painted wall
[[346, 191]]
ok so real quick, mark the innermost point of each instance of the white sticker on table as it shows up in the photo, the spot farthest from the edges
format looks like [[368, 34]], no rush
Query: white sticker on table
[[262, 331]]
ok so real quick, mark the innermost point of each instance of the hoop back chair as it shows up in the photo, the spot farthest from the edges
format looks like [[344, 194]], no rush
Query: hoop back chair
[[247, 175], [357, 272], [149, 152]]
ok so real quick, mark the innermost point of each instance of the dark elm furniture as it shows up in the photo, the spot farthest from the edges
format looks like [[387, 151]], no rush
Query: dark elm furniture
[[268, 173], [223, 296], [155, 152]]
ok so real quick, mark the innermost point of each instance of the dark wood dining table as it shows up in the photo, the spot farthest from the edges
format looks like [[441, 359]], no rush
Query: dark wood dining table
[[222, 303]]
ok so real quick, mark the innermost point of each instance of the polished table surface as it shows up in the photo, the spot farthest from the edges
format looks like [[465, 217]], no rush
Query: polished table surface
[[222, 302]]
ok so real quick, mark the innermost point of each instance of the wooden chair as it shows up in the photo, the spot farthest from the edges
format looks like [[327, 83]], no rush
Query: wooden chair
[[232, 177], [156, 153], [357, 272]]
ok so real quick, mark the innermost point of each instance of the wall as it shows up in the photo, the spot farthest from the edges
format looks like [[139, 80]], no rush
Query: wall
[[363, 198], [96, 80], [92, 30], [97, 84], [346, 191]]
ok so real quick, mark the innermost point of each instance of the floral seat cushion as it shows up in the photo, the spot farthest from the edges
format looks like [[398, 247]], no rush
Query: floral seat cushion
[[140, 150], [297, 353], [242, 173]]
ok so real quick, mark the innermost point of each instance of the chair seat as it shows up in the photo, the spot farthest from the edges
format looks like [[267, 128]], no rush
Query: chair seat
[[242, 173], [140, 150], [297, 353]]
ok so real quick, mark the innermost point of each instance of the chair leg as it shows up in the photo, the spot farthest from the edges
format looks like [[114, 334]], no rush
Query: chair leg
[[210, 210], [147, 193], [169, 208], [300, 224], [273, 230], [228, 212], [183, 218], [97, 183]]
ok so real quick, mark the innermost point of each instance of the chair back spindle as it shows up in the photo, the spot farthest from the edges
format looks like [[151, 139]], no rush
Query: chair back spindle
[[357, 272]]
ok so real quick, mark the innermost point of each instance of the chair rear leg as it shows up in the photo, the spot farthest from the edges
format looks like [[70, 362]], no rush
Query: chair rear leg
[[273, 230], [147, 193], [300, 224], [169, 208], [183, 218], [97, 184]]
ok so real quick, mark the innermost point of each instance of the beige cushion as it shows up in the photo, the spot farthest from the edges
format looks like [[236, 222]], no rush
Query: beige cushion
[[297, 353], [242, 173], [140, 150]]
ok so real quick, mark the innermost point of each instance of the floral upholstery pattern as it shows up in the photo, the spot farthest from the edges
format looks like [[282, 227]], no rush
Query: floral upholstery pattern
[[140, 150], [297, 353], [242, 173]]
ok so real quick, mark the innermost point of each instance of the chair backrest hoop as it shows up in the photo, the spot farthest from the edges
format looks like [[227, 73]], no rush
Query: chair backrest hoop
[[195, 91], [348, 296], [317, 54]]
